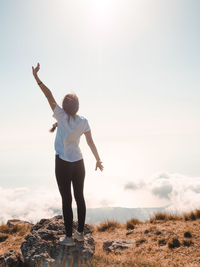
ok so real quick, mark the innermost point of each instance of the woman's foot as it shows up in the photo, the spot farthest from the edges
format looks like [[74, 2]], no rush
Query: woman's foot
[[79, 236], [67, 241]]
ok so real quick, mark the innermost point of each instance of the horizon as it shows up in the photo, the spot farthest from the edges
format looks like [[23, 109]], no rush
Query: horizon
[[135, 68]]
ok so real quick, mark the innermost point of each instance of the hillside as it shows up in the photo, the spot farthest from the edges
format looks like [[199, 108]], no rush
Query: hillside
[[163, 240]]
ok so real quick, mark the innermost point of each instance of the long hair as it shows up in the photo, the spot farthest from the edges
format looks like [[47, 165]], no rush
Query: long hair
[[70, 104]]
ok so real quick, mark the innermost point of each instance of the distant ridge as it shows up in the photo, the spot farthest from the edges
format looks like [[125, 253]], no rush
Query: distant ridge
[[97, 215], [121, 214]]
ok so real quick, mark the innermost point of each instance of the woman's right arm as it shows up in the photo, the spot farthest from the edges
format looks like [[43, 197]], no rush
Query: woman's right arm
[[93, 148], [44, 88]]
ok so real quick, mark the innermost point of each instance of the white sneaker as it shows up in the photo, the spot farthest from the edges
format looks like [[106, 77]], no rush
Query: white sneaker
[[79, 236], [67, 241]]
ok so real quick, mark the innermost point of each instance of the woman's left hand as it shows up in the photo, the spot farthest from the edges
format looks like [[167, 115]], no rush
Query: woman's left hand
[[99, 165], [36, 69]]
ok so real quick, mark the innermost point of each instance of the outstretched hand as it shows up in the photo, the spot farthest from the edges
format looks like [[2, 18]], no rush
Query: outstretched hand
[[99, 165], [36, 69]]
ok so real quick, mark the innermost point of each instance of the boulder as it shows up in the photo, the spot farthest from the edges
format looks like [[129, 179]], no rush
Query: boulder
[[41, 246], [112, 246]]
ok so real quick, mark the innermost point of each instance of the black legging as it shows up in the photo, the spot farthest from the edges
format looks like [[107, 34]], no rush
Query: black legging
[[66, 172]]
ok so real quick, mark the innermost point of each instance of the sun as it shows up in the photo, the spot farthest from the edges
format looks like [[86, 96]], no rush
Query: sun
[[102, 13]]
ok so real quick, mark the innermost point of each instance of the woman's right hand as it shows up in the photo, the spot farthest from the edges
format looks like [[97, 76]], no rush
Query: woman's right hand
[[36, 69], [99, 165]]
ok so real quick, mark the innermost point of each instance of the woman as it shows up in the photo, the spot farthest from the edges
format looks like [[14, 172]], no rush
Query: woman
[[69, 164]]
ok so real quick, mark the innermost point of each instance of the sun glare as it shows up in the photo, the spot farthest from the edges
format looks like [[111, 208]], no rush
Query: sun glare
[[101, 13], [115, 15]]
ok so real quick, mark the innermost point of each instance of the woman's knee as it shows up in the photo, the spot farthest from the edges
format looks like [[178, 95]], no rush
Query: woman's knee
[[67, 198], [79, 199]]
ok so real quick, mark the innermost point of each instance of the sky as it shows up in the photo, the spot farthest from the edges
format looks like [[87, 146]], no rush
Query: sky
[[134, 65]]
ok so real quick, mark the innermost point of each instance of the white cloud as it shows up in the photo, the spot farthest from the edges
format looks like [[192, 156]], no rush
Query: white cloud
[[182, 192], [34, 204], [162, 187], [28, 204]]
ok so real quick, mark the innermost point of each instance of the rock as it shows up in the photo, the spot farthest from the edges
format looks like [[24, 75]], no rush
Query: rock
[[11, 259], [41, 245], [112, 246], [14, 222]]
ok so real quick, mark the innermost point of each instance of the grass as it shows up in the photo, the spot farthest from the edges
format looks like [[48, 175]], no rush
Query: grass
[[162, 242], [187, 243], [167, 216], [20, 229], [140, 241], [130, 224], [192, 216], [11, 237], [187, 234], [3, 237], [164, 216], [108, 225], [174, 243]]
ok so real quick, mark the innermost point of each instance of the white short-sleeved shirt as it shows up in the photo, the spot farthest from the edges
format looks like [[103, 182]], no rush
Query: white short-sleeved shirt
[[68, 135]]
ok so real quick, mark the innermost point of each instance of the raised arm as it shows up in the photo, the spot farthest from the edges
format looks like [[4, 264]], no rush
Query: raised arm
[[93, 148], [43, 87]]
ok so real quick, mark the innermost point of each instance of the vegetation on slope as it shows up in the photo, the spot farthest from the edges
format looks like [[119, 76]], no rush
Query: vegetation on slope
[[163, 240]]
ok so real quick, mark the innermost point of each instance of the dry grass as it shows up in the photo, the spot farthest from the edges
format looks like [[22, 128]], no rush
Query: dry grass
[[174, 243], [160, 242], [164, 216], [130, 224], [192, 216], [187, 234], [3, 237], [92, 227], [108, 225], [11, 237], [20, 229], [164, 240]]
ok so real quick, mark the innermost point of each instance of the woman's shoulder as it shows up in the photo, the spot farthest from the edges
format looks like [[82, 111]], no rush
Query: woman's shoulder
[[82, 118]]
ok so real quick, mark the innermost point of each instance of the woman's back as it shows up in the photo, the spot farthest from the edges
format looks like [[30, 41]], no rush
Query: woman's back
[[68, 134]]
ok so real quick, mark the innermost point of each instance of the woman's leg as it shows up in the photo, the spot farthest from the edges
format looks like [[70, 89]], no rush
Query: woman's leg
[[78, 178], [63, 172]]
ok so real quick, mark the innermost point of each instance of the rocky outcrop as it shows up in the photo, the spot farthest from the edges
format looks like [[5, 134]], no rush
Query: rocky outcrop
[[41, 246], [116, 245], [11, 259]]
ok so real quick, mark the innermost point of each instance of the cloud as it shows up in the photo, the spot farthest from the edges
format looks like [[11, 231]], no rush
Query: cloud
[[182, 192], [106, 202], [178, 192], [34, 204], [134, 185], [28, 204], [162, 187]]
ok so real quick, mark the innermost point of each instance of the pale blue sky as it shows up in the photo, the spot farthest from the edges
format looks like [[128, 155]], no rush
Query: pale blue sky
[[135, 67]]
